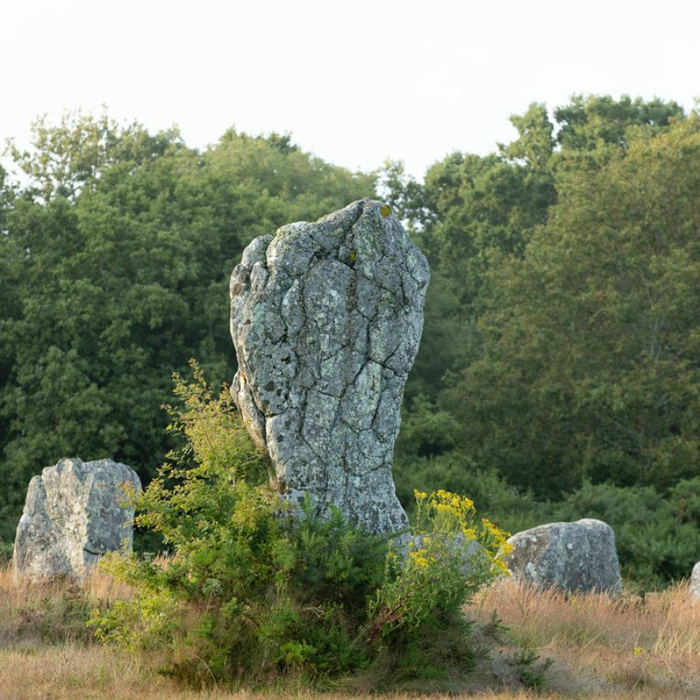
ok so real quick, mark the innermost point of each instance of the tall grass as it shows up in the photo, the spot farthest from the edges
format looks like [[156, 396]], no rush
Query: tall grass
[[633, 647], [52, 611], [645, 645]]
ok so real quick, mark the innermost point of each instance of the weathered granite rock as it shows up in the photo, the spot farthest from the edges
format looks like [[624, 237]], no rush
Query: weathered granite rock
[[695, 582], [326, 319], [578, 556], [73, 513]]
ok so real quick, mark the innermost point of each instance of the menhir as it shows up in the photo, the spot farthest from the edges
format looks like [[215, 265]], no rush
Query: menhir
[[326, 319], [74, 513]]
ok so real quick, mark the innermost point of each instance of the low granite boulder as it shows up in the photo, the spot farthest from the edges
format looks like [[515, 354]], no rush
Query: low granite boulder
[[578, 556], [695, 582], [74, 512]]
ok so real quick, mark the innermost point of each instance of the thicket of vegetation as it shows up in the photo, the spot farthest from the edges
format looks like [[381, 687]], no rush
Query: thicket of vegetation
[[257, 591], [559, 371], [637, 648]]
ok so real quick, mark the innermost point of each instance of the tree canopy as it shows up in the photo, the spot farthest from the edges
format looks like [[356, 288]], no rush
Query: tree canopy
[[115, 260], [590, 362], [558, 374]]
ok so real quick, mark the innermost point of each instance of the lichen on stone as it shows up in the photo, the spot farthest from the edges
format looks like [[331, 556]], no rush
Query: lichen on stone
[[74, 512], [326, 319], [579, 556]]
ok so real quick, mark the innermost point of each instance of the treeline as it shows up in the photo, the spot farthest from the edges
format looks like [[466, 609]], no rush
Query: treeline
[[116, 252], [559, 371]]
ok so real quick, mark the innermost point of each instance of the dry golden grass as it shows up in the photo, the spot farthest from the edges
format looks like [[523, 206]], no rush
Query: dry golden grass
[[28, 610], [15, 592], [631, 647], [600, 648]]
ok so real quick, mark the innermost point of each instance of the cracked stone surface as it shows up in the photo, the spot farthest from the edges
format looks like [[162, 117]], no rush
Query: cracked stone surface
[[73, 514], [326, 319], [578, 556]]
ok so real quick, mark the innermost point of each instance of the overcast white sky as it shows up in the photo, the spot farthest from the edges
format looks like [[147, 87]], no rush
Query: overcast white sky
[[354, 82]]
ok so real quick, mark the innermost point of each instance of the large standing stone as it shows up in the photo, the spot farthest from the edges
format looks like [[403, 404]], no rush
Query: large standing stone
[[73, 513], [695, 582], [578, 556], [326, 319]]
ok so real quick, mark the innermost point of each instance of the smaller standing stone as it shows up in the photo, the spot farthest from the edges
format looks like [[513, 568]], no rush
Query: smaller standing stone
[[578, 556], [74, 512], [695, 582]]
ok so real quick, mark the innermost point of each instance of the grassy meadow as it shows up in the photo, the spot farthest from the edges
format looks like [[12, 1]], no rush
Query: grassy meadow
[[532, 644]]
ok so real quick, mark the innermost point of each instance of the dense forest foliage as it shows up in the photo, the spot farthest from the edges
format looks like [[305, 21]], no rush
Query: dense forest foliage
[[559, 374]]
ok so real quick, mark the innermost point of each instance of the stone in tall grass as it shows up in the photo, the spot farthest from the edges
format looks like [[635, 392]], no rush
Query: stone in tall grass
[[578, 556], [74, 512], [695, 582]]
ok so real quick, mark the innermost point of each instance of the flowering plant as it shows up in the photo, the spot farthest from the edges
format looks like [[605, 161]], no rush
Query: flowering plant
[[450, 555]]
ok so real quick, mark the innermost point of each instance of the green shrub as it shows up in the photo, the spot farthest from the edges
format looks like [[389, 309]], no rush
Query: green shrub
[[57, 618], [429, 582], [426, 430], [685, 500], [255, 592]]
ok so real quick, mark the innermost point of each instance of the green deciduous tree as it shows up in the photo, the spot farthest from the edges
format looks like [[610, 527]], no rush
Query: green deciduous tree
[[116, 253], [591, 340], [589, 122]]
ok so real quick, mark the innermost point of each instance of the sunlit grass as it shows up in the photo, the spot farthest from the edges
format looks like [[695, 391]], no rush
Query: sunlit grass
[[599, 644], [601, 648]]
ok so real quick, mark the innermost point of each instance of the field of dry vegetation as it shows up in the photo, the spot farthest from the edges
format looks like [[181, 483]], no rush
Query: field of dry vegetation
[[534, 644]]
